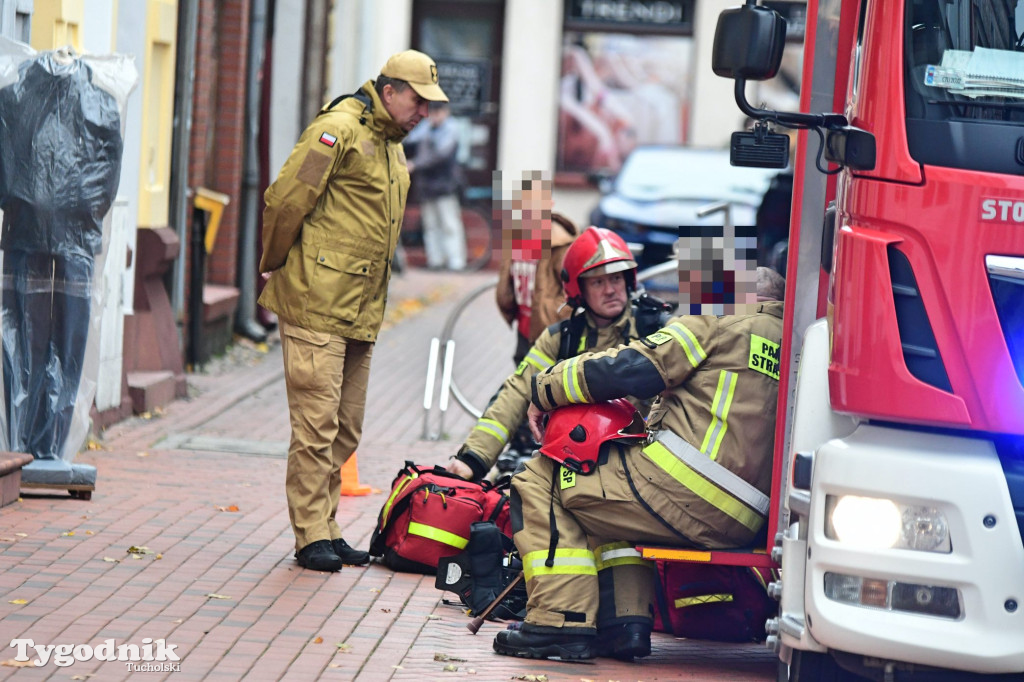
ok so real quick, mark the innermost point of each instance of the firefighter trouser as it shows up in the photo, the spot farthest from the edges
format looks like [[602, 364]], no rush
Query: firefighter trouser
[[326, 378], [650, 497], [593, 582]]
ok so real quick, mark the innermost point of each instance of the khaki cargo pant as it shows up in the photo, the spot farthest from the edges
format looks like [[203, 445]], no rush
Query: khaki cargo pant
[[596, 580], [326, 378]]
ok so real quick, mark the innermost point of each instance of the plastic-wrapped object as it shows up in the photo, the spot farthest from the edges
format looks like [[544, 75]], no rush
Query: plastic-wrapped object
[[61, 118]]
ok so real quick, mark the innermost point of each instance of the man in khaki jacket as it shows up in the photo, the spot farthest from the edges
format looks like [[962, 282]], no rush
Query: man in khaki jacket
[[330, 227], [701, 480]]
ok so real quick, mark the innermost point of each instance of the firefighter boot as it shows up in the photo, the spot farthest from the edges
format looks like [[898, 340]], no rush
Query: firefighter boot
[[625, 641], [526, 643]]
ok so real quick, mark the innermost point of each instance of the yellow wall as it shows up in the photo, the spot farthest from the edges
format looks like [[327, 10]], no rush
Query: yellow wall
[[157, 79], [55, 23]]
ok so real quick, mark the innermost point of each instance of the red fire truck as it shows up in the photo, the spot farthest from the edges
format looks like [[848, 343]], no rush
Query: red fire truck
[[900, 448]]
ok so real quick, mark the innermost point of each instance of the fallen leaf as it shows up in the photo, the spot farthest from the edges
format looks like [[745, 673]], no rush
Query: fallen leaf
[[470, 671], [446, 657], [318, 640], [111, 560], [532, 678], [146, 415], [94, 445], [89, 532], [178, 622], [342, 646], [398, 667], [6, 539], [18, 601], [451, 668], [334, 665], [81, 677], [375, 590], [139, 550], [142, 454], [68, 533], [433, 617], [137, 556], [232, 508], [214, 595], [12, 663], [386, 610], [22, 535]]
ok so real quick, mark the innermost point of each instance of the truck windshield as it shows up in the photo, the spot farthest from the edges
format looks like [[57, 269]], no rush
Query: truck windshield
[[964, 77]]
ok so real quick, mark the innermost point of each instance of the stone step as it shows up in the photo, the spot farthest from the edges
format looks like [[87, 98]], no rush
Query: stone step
[[150, 390]]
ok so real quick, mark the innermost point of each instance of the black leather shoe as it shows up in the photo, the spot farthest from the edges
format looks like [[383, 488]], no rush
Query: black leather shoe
[[350, 555], [319, 556], [568, 647], [625, 642]]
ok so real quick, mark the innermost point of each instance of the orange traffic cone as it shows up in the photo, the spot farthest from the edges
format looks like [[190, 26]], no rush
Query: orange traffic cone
[[350, 479]]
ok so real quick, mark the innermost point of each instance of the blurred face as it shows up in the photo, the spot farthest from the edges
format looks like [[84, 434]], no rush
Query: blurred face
[[605, 296], [405, 107]]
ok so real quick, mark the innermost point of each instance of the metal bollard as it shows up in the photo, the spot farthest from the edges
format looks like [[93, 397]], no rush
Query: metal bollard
[[428, 391], [446, 382]]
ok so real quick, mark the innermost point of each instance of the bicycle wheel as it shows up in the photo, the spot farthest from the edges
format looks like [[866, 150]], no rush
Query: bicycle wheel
[[479, 237]]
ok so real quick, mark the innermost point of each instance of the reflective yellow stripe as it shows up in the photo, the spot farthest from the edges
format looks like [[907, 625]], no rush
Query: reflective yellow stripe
[[437, 534], [571, 382], [703, 488], [493, 428], [688, 341], [702, 599], [394, 494], [719, 411], [538, 359], [566, 562], [617, 554]]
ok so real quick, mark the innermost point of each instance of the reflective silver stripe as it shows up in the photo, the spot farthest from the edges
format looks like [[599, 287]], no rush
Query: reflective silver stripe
[[608, 555], [714, 472], [539, 360]]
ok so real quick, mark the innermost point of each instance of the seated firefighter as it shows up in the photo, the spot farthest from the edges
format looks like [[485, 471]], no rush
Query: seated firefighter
[[700, 478], [598, 275]]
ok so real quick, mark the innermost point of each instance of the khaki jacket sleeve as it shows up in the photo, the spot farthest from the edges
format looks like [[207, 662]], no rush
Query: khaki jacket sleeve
[[673, 353], [298, 188], [503, 416]]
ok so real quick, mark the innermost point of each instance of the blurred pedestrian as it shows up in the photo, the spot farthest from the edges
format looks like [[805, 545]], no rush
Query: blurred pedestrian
[[437, 181], [330, 227]]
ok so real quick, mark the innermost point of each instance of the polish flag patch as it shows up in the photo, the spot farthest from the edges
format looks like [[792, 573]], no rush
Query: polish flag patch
[[328, 139]]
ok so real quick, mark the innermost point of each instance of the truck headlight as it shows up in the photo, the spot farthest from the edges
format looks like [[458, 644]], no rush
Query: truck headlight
[[878, 523]]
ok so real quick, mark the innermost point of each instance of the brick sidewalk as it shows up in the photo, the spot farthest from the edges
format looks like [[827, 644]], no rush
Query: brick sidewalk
[[222, 586]]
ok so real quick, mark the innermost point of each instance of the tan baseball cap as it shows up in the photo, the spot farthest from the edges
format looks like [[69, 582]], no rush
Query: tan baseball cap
[[419, 71]]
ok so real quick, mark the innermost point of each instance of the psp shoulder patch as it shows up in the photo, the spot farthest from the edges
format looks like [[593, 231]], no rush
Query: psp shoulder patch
[[656, 339], [764, 356]]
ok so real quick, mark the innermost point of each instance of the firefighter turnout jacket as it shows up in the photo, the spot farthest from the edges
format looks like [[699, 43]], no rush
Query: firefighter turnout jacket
[[712, 428], [333, 217], [702, 479], [507, 410]]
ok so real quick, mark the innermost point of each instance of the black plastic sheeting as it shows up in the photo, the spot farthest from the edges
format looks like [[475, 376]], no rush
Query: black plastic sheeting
[[60, 165]]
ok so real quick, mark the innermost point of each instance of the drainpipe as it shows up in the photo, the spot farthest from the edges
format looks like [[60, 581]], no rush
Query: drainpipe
[[245, 314], [181, 144]]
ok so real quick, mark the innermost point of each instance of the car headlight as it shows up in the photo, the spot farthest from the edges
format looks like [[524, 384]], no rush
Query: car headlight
[[879, 523]]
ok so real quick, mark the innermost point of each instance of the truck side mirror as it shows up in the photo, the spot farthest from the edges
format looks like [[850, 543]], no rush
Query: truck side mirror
[[849, 146], [748, 43]]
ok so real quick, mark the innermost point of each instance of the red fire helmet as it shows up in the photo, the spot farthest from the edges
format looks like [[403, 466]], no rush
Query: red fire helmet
[[597, 251], [575, 433]]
